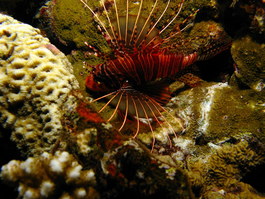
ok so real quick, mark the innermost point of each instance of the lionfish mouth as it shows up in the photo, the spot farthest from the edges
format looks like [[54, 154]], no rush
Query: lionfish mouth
[[140, 58]]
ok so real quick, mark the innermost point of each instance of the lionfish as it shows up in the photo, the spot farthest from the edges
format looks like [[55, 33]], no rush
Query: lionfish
[[135, 76]]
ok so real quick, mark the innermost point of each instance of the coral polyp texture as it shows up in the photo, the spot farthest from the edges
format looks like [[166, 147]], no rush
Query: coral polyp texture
[[50, 176], [35, 82]]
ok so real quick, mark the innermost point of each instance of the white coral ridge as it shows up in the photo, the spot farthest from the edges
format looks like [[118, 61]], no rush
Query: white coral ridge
[[84, 139], [35, 84], [44, 176]]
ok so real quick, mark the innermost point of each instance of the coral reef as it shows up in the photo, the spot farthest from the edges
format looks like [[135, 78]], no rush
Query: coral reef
[[72, 29], [78, 26], [50, 176], [226, 126], [245, 22], [131, 168], [35, 86], [215, 111], [69, 152], [222, 171]]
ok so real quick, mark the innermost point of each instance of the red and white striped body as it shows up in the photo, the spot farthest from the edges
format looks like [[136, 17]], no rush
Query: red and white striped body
[[134, 78]]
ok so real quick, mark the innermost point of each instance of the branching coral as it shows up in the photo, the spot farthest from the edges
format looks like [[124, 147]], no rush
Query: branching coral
[[50, 176]]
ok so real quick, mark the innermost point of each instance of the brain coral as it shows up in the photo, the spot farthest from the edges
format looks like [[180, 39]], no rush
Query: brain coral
[[35, 84]]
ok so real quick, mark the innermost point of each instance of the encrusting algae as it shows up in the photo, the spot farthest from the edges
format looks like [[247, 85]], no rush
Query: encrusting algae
[[249, 57], [217, 152]]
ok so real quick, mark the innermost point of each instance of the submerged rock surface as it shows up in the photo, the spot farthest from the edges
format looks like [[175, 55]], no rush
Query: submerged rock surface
[[217, 152]]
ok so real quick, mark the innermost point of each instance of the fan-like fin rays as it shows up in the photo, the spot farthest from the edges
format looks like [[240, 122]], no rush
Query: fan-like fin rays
[[108, 102], [132, 37], [134, 102], [97, 18], [155, 102], [153, 27], [117, 106], [180, 7], [155, 116], [184, 28], [127, 21], [149, 124], [104, 96], [171, 21], [136, 20], [126, 112], [111, 25], [118, 19], [156, 105], [137, 118], [147, 20]]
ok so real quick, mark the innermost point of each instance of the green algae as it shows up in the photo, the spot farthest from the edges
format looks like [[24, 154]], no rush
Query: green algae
[[79, 26], [73, 23], [204, 35], [249, 57], [219, 111]]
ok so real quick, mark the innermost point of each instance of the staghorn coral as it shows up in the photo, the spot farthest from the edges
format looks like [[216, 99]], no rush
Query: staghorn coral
[[50, 176], [35, 85]]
